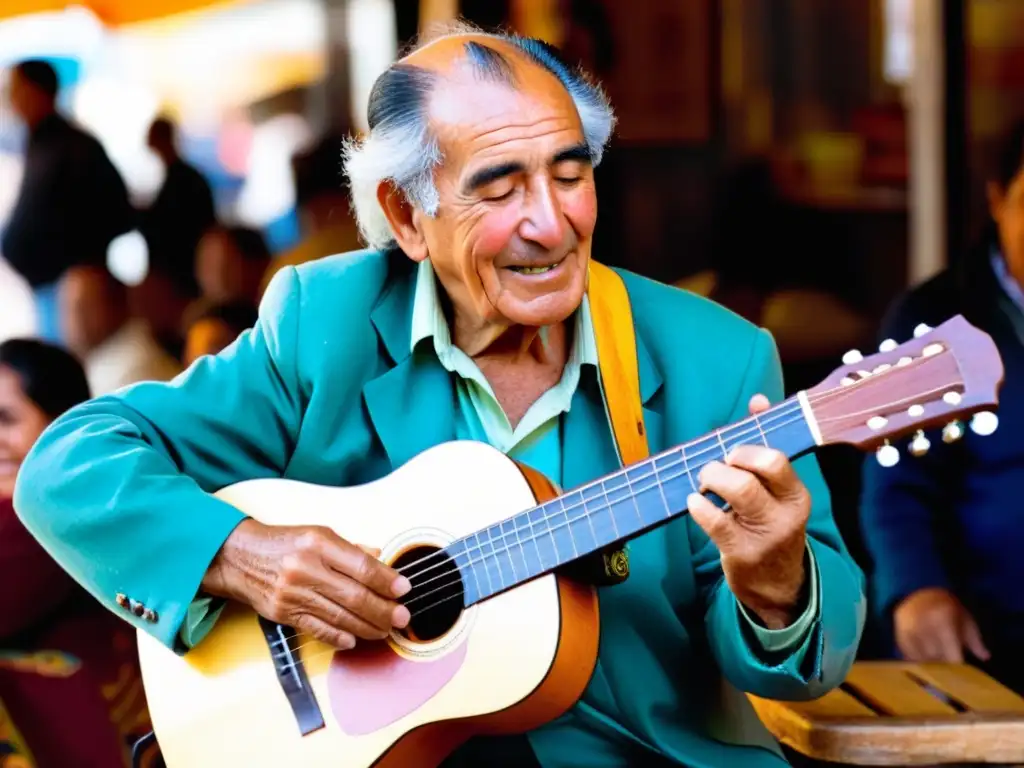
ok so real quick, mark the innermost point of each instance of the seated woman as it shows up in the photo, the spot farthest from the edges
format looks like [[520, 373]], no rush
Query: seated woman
[[70, 689]]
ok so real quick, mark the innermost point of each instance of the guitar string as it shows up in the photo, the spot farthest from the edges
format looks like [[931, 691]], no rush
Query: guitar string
[[458, 579], [629, 484], [780, 412], [835, 393]]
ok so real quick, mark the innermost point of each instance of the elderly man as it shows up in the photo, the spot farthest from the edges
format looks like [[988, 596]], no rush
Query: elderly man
[[469, 318]]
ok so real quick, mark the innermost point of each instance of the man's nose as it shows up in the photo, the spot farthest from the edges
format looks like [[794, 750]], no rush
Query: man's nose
[[543, 222]]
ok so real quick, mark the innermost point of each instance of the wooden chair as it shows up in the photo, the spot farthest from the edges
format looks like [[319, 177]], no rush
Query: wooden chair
[[896, 713]]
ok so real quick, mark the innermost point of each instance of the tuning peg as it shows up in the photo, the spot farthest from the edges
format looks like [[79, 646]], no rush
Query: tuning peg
[[887, 455], [920, 444], [852, 357], [888, 345], [921, 330], [952, 432], [984, 423]]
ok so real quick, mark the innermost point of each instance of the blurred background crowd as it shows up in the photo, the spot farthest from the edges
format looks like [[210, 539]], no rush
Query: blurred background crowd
[[802, 162]]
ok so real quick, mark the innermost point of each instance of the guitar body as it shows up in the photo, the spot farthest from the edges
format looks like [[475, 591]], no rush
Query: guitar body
[[507, 664]]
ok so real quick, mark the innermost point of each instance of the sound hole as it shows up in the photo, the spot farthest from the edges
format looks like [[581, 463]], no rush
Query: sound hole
[[436, 598]]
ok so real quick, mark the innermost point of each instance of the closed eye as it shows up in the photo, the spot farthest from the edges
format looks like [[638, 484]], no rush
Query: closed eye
[[498, 198]]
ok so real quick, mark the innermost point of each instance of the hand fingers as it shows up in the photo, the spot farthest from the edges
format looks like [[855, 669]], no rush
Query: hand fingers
[[758, 404], [355, 563], [359, 600], [943, 644], [770, 466], [345, 616], [324, 632], [971, 636], [934, 643], [740, 489], [716, 523]]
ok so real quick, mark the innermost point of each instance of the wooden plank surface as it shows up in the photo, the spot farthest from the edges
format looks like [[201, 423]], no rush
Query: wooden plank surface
[[893, 718], [975, 690], [834, 705], [891, 691]]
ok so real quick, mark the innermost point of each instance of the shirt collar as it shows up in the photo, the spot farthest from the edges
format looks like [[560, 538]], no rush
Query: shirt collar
[[1006, 280], [428, 321]]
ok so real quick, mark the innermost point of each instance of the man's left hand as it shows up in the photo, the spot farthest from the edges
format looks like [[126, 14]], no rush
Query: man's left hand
[[762, 537]]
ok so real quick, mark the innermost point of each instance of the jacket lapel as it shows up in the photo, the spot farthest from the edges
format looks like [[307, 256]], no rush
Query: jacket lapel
[[588, 446], [410, 404]]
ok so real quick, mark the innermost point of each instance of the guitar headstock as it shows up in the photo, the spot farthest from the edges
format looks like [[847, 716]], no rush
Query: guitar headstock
[[937, 378]]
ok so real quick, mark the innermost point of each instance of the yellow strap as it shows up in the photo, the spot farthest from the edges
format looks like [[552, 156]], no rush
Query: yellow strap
[[616, 351]]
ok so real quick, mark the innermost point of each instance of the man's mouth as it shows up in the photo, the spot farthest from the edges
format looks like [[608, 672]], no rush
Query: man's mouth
[[535, 270]]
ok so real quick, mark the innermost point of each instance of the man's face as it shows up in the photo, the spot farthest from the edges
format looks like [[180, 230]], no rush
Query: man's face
[[1007, 209], [511, 240]]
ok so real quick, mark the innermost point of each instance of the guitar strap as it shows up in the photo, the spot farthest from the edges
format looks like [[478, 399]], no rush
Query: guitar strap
[[620, 381]]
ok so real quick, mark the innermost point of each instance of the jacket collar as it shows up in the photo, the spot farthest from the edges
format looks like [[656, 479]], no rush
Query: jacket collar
[[404, 401]]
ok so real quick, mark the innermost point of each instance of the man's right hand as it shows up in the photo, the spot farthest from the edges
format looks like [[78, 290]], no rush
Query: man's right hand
[[309, 578], [932, 625]]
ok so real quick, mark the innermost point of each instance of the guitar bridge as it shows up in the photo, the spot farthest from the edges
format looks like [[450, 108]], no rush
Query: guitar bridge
[[291, 675]]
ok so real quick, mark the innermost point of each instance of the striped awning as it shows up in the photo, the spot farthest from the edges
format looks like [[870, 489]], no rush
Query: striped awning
[[113, 12]]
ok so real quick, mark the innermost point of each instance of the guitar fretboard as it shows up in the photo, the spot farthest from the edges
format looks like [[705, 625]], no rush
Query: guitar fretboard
[[613, 508]]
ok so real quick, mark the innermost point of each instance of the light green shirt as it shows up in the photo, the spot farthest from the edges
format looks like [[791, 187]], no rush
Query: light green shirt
[[535, 440]]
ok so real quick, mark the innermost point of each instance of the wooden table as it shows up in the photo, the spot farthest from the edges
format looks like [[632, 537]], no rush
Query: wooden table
[[895, 713]]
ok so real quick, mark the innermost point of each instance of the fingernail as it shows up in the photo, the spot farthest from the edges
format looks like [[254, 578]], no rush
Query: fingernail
[[401, 586], [347, 643], [400, 617]]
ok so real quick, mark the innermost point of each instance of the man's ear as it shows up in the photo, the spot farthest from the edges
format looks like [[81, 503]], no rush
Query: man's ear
[[403, 219]]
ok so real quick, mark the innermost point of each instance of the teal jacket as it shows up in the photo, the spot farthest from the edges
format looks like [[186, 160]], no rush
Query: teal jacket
[[324, 390]]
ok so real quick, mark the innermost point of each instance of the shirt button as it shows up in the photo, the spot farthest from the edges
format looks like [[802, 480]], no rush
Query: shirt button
[[138, 608], [150, 615], [121, 600]]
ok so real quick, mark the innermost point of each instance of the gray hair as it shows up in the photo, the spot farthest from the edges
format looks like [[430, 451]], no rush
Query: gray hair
[[399, 146]]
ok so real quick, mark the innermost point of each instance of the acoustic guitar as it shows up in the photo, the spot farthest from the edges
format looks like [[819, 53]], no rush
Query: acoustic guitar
[[500, 639]]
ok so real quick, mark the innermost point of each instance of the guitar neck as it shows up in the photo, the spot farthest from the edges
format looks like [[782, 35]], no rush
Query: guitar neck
[[616, 507]]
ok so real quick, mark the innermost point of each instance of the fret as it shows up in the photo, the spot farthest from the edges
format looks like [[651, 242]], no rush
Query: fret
[[581, 523], [483, 558], [677, 480], [544, 538], [568, 523], [686, 468], [621, 508], [741, 434], [615, 507], [632, 496], [760, 431], [560, 526], [789, 431], [661, 490], [595, 505], [464, 558], [502, 553], [510, 538], [648, 497], [718, 435], [528, 537]]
